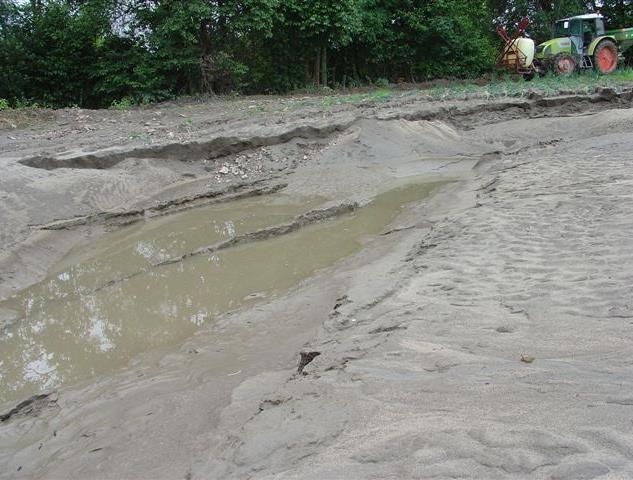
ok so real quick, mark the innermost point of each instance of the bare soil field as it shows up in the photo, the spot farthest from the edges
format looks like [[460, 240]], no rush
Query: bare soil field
[[307, 287]]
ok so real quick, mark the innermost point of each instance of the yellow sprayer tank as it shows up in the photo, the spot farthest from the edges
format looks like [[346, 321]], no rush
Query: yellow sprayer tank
[[525, 49]]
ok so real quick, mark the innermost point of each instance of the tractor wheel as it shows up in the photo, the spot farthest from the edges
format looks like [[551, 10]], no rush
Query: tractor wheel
[[564, 64], [605, 57]]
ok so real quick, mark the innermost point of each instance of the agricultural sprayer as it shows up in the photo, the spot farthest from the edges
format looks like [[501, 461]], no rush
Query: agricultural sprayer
[[580, 42]]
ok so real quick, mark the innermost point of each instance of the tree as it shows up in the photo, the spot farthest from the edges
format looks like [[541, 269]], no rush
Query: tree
[[194, 40], [321, 26], [431, 39], [49, 50]]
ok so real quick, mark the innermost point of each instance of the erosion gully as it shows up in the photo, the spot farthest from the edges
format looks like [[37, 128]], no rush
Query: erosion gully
[[122, 295]]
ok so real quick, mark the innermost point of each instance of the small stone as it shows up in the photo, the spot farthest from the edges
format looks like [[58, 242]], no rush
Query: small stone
[[534, 96], [607, 93], [305, 359], [224, 170], [527, 358]]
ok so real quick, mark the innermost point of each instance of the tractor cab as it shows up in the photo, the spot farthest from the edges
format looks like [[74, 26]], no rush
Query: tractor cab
[[581, 31], [579, 42]]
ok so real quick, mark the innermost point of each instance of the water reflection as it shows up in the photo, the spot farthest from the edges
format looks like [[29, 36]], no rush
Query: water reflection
[[70, 329], [73, 328]]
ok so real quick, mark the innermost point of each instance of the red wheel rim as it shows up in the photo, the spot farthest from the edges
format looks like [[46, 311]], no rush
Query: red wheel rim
[[606, 60], [565, 65]]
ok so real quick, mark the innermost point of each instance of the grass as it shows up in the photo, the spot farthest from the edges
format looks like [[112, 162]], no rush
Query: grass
[[332, 98], [504, 86], [580, 83], [381, 95], [135, 136]]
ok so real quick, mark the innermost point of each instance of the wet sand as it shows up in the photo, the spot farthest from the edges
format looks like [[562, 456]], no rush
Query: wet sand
[[156, 283], [482, 334]]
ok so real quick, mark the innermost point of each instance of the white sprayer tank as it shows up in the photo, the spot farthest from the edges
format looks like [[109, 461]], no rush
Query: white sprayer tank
[[526, 48]]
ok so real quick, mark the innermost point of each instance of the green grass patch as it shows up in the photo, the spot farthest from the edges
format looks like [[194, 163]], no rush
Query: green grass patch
[[548, 85], [374, 96], [504, 86], [123, 104]]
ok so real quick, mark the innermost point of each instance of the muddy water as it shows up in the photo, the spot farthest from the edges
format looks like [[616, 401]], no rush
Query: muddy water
[[70, 327]]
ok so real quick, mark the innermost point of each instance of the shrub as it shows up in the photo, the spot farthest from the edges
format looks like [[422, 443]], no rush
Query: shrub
[[123, 104]]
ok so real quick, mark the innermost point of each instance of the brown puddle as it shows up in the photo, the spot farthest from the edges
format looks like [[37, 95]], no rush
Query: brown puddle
[[70, 329]]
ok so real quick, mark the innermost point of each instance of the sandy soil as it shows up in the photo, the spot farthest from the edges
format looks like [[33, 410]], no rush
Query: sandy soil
[[486, 334]]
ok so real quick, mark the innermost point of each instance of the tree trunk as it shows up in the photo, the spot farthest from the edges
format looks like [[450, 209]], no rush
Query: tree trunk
[[307, 76], [317, 68], [324, 65], [206, 61]]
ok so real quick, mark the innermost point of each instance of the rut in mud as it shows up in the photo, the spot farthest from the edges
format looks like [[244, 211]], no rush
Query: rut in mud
[[215, 148], [223, 146]]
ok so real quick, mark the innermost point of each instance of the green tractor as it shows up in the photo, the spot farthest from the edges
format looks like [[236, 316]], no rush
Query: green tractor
[[580, 42]]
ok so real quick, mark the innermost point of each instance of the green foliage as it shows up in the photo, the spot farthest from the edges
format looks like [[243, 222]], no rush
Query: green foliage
[[330, 21], [123, 69], [4, 105], [123, 104], [437, 38], [48, 52], [22, 103]]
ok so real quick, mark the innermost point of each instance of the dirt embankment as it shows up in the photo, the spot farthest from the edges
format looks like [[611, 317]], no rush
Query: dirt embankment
[[420, 336]]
